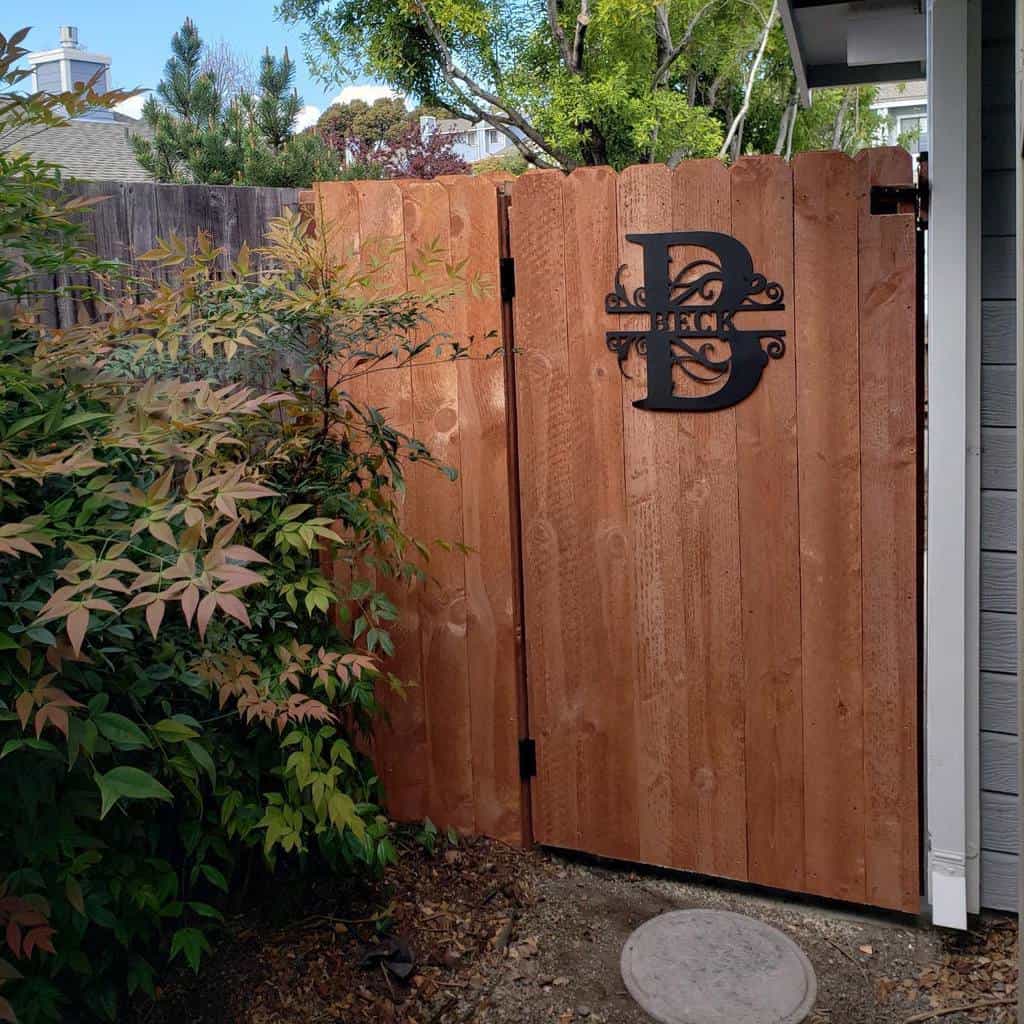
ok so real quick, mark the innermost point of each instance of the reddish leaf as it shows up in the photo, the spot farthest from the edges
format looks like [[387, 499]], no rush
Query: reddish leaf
[[39, 938], [230, 605], [24, 705], [57, 716], [14, 937], [155, 615], [189, 600], [161, 531], [205, 611], [77, 624]]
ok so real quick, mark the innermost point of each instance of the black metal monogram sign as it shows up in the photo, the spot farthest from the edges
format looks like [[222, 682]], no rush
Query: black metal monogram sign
[[693, 321]]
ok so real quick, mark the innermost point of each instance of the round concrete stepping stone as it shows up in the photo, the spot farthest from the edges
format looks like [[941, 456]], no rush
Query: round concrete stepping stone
[[716, 967]]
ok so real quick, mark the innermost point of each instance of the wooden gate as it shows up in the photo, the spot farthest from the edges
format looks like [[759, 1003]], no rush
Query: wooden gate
[[721, 607]]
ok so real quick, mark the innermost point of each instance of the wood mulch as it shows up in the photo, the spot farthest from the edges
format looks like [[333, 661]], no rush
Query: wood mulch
[[482, 932], [345, 957]]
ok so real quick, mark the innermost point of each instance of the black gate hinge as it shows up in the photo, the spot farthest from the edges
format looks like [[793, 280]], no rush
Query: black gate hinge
[[507, 273], [889, 198], [527, 758]]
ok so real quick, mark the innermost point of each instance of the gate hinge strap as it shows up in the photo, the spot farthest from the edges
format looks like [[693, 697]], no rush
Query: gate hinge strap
[[507, 271], [891, 198], [527, 758]]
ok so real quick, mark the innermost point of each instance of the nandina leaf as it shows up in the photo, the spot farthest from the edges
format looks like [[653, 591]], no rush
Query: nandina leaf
[[130, 783], [189, 600], [122, 732], [204, 612], [192, 942], [54, 714], [23, 706], [154, 616], [39, 937], [77, 624], [231, 605], [74, 894]]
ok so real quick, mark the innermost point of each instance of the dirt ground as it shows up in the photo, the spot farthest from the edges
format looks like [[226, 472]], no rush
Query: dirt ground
[[480, 932]]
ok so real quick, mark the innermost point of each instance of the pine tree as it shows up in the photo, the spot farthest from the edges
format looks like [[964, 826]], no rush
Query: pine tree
[[279, 103], [189, 141], [251, 140]]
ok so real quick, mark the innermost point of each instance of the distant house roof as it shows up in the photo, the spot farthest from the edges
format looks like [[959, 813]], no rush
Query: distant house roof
[[87, 150]]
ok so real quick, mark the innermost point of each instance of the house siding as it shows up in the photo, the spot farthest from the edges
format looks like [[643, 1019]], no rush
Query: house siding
[[999, 825]]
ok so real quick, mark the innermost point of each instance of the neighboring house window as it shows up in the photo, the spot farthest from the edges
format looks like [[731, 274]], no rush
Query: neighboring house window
[[912, 128], [462, 138], [492, 136]]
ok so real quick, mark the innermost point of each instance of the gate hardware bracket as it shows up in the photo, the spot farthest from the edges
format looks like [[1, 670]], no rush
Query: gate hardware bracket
[[507, 274], [527, 758], [890, 198]]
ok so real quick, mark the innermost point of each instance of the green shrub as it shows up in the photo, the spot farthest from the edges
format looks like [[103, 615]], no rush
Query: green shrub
[[182, 688]]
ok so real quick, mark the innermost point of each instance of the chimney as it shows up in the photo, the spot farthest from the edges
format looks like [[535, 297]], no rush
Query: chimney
[[69, 36]]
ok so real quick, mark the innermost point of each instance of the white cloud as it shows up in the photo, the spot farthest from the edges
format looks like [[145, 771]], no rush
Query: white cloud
[[131, 107], [306, 116], [367, 93]]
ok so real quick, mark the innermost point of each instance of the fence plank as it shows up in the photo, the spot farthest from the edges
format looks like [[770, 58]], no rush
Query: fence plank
[[828, 426], [707, 716], [486, 514], [762, 211], [435, 512], [403, 750], [604, 660], [550, 589], [888, 374], [653, 484]]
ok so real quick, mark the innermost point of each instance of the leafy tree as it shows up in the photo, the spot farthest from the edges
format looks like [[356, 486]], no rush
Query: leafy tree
[[408, 154], [365, 125], [574, 82], [183, 691]]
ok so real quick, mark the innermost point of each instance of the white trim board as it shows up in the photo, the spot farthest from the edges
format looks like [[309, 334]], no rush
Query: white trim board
[[951, 600]]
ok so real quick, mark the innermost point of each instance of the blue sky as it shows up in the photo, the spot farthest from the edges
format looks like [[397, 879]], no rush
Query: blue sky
[[137, 36]]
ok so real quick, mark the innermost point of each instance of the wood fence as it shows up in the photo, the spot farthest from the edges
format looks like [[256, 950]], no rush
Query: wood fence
[[720, 609], [135, 214], [451, 751]]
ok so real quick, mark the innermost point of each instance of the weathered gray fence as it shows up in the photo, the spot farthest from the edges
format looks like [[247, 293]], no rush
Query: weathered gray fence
[[135, 214]]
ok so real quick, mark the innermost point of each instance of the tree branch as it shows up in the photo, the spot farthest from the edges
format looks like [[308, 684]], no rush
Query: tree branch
[[742, 114], [554, 9], [454, 75], [787, 113], [664, 34], [582, 21], [840, 122]]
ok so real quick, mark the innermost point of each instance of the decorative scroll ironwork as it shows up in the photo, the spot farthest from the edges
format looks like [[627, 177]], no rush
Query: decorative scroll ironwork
[[693, 324]]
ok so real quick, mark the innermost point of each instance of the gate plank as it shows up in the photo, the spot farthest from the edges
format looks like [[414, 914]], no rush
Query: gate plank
[[554, 619], [653, 486], [762, 218], [828, 426], [604, 662], [707, 716], [486, 515], [434, 507], [888, 375]]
